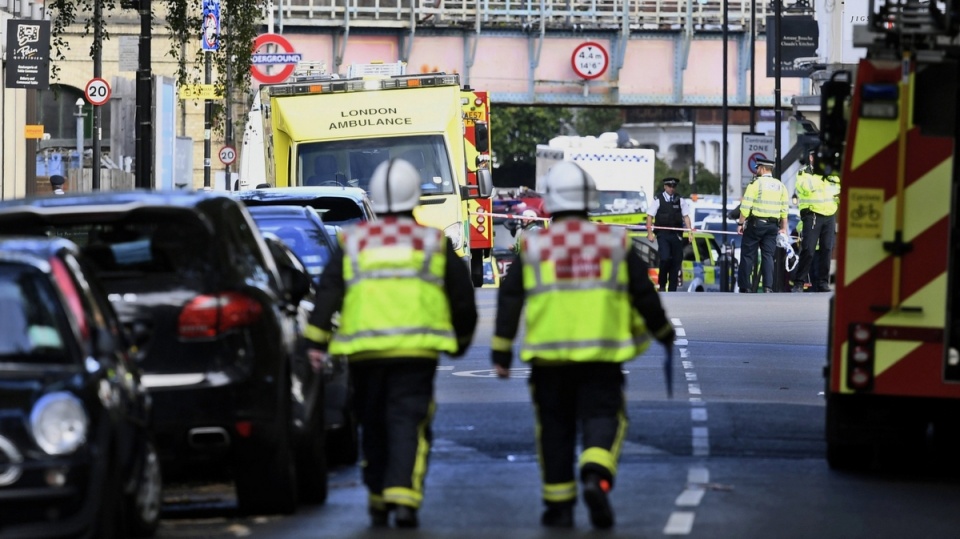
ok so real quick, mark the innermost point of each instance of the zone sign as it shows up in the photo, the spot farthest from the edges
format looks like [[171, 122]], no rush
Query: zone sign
[[228, 154], [97, 92]]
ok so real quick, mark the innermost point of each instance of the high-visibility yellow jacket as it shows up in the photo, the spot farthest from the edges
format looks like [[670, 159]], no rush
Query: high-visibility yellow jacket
[[814, 192], [395, 304], [572, 268], [765, 197]]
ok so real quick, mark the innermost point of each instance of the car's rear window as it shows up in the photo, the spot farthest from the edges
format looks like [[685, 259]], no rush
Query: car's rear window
[[33, 328], [311, 244], [159, 252]]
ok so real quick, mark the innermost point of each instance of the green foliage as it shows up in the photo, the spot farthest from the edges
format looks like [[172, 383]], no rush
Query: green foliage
[[595, 120], [515, 133], [240, 23]]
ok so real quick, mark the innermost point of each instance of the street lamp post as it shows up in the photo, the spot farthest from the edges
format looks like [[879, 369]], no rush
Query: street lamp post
[[80, 125]]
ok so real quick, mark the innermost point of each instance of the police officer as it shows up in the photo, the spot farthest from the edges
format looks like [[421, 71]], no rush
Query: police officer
[[818, 209], [670, 211], [56, 184], [404, 297], [529, 224], [589, 305], [763, 214]]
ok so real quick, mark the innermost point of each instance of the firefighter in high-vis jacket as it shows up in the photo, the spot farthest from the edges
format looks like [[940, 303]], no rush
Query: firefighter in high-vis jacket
[[404, 297], [590, 307]]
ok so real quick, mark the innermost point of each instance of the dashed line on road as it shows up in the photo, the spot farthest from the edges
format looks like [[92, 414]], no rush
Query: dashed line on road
[[681, 522]]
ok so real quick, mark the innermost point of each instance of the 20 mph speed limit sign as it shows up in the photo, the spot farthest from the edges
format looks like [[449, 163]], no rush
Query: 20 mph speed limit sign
[[97, 92], [228, 155]]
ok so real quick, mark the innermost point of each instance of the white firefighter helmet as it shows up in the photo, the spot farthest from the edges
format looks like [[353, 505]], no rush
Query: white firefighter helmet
[[569, 188], [532, 217], [395, 187]]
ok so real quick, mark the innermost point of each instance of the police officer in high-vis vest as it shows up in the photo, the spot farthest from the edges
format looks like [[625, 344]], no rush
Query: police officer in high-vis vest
[[404, 297], [590, 307], [817, 201], [763, 215]]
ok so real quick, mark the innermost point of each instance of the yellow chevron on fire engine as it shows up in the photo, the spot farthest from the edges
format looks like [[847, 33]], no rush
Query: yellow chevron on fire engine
[[925, 203], [890, 353], [873, 135], [930, 299]]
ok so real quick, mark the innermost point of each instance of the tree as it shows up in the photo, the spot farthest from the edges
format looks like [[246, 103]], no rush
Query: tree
[[516, 131], [240, 24], [595, 120]]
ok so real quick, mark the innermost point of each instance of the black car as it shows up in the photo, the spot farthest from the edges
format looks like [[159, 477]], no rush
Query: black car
[[339, 206], [192, 274], [302, 229], [76, 455]]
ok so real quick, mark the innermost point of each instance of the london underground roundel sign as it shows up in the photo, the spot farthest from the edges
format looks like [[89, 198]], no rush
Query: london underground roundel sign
[[590, 60], [283, 55]]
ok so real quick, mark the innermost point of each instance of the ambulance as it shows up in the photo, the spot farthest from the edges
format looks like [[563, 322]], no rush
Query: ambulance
[[324, 129], [890, 128]]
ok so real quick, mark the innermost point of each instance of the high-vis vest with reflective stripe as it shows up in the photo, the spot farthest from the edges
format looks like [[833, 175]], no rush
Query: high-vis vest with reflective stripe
[[578, 306], [814, 193], [395, 298], [765, 197]]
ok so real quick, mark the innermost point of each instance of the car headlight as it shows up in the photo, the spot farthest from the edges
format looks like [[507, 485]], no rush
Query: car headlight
[[455, 233], [59, 423]]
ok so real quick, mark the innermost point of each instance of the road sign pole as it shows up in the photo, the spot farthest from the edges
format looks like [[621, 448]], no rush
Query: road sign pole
[[207, 122], [97, 73], [144, 149]]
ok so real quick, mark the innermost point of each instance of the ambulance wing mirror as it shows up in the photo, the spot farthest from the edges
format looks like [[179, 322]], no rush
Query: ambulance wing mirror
[[481, 134], [834, 96]]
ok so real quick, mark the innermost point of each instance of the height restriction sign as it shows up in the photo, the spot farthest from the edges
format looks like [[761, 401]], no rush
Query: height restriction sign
[[590, 60]]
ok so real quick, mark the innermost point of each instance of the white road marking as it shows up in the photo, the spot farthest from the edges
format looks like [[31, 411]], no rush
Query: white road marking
[[687, 364], [679, 523], [680, 332], [690, 497], [698, 476], [676, 322], [691, 376], [681, 342], [445, 367], [693, 389], [701, 441], [684, 353], [698, 414], [695, 401]]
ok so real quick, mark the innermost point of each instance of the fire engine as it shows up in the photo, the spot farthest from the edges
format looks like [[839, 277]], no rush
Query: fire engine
[[890, 128], [323, 129]]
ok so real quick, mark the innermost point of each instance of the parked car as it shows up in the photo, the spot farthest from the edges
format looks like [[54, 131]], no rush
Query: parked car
[[193, 273], [76, 455], [700, 270], [302, 229], [309, 240], [338, 206]]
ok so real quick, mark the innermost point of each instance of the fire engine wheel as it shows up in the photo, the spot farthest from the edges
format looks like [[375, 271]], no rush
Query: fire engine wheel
[[844, 455]]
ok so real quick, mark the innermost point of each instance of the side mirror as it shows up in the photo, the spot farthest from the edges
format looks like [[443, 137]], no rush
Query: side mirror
[[485, 182], [481, 136]]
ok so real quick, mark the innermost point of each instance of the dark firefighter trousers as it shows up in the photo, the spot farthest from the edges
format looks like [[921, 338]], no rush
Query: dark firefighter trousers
[[568, 396], [393, 399], [816, 248]]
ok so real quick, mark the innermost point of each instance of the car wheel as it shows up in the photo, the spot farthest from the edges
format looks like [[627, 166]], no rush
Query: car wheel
[[312, 464], [476, 269], [143, 505], [266, 481]]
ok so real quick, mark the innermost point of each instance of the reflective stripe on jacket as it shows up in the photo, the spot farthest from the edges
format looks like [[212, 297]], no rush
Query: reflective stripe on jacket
[[578, 307], [814, 193], [395, 299]]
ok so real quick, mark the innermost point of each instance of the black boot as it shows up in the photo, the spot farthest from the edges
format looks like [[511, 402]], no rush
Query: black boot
[[558, 515], [405, 517], [595, 491]]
